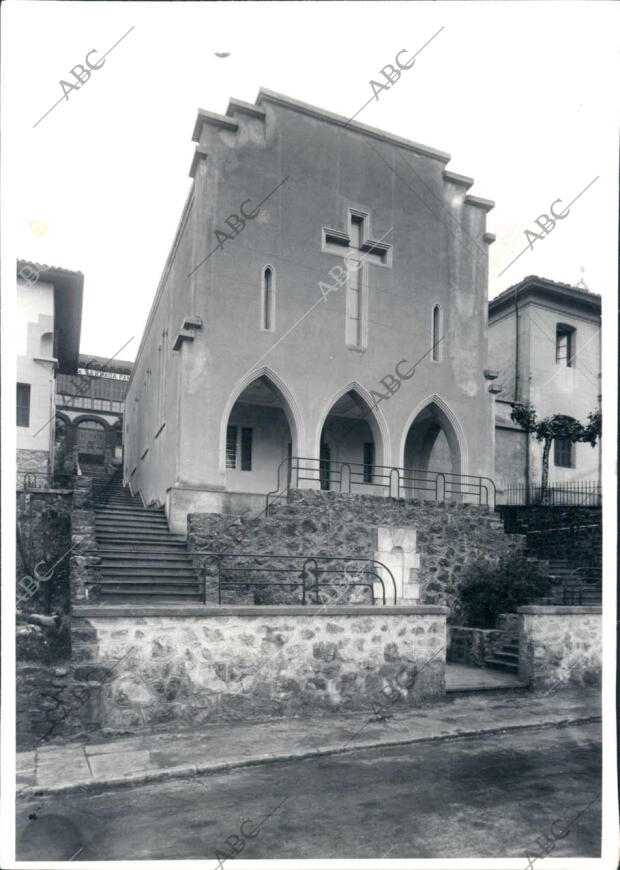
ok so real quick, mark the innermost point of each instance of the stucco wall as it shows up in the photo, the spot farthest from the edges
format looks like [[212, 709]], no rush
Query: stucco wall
[[35, 314], [199, 664], [551, 387], [560, 647], [312, 365]]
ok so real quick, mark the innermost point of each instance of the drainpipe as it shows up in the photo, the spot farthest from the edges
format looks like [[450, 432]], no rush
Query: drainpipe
[[517, 394]]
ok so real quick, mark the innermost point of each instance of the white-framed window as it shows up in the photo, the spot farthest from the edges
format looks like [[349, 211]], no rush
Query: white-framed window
[[565, 336]]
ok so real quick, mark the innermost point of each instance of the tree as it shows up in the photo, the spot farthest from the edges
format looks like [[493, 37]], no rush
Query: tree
[[555, 426]]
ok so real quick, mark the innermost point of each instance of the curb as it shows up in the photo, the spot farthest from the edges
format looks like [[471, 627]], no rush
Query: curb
[[144, 777]]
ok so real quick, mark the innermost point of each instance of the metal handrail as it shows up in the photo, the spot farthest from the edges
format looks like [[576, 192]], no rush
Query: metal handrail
[[368, 562], [344, 474]]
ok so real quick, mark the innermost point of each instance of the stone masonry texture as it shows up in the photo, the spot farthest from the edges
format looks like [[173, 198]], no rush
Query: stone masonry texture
[[560, 647], [288, 662], [43, 535], [314, 522]]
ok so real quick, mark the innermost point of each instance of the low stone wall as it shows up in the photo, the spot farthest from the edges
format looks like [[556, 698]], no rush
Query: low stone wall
[[83, 542], [194, 664], [560, 647], [59, 702]]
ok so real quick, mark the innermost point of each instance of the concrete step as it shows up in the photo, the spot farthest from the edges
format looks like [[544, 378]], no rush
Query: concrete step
[[114, 511], [507, 656], [131, 557], [148, 575], [501, 665], [140, 547], [130, 524], [146, 534]]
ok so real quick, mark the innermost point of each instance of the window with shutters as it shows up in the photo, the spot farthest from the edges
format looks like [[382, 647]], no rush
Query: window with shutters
[[565, 344], [563, 452], [23, 405], [231, 447]]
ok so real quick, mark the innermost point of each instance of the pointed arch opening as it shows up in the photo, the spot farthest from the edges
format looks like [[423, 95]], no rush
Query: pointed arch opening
[[352, 445], [260, 431], [433, 446]]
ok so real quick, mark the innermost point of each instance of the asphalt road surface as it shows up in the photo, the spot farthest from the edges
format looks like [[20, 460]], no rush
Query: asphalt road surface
[[481, 797]]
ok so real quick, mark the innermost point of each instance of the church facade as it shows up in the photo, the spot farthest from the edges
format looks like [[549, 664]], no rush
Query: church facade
[[321, 320]]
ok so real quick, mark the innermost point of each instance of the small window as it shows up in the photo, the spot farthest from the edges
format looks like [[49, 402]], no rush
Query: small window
[[246, 449], [369, 461], [231, 447], [565, 345], [268, 299], [563, 453], [436, 334], [23, 405]]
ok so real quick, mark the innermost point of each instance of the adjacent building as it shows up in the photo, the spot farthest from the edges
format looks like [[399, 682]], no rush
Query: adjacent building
[[545, 347], [49, 314], [321, 316], [89, 412]]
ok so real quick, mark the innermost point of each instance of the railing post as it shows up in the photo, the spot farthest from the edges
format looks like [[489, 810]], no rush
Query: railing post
[[219, 579]]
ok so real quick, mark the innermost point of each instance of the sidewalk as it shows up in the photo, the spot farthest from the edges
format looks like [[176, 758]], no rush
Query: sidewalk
[[222, 746]]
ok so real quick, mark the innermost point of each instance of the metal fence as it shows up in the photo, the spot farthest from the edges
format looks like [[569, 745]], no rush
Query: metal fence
[[355, 477], [570, 493]]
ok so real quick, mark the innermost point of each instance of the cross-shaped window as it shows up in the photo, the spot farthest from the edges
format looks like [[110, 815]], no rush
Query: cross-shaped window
[[359, 252]]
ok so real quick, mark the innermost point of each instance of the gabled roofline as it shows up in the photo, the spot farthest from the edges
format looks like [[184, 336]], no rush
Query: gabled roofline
[[267, 96]]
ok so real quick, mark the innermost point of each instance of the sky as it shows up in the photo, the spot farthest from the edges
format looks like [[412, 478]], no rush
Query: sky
[[520, 94]]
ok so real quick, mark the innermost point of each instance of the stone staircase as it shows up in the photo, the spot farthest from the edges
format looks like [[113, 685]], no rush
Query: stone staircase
[[506, 657], [568, 542], [140, 560]]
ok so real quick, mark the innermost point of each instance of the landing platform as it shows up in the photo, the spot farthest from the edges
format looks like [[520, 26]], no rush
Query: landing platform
[[462, 678]]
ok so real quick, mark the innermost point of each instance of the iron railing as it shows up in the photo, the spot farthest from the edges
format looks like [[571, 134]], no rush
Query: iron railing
[[309, 576], [356, 477], [306, 572], [573, 492], [32, 481]]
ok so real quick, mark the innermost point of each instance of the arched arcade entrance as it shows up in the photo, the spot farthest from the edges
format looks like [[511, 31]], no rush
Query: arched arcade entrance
[[352, 446], [433, 456], [261, 432]]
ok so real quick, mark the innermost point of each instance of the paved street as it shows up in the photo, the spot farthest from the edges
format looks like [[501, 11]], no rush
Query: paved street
[[485, 796]]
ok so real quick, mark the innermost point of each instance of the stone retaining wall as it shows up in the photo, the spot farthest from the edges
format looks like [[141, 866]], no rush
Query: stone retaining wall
[[44, 535], [449, 536], [193, 664], [56, 702], [560, 647]]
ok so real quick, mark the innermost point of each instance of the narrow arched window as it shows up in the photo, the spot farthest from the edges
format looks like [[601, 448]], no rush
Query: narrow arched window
[[268, 299], [436, 334]]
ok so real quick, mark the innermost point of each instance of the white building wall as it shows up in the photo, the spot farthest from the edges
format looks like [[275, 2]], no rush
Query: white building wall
[[36, 367]]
